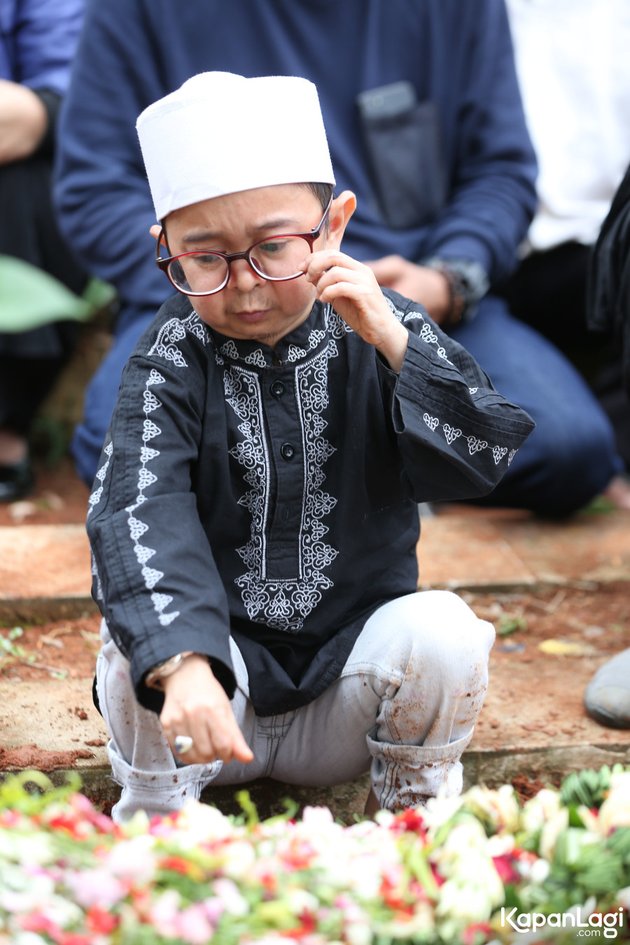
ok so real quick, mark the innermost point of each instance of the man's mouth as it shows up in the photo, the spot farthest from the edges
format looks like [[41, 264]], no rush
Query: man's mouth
[[251, 315]]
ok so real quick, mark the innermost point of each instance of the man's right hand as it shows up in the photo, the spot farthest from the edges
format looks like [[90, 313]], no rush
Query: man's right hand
[[23, 121], [418, 283], [196, 705]]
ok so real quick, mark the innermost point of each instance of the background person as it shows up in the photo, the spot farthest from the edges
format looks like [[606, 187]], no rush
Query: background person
[[578, 115], [607, 696], [440, 227], [38, 39]]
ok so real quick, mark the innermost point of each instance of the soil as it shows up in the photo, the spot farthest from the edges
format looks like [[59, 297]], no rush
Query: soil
[[59, 498], [583, 625], [33, 757], [62, 649], [571, 622], [549, 643]]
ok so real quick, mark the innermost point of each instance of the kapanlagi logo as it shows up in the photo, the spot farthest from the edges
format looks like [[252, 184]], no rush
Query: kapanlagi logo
[[587, 925]]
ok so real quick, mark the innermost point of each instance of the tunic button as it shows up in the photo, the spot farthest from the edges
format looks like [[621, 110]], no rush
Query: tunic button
[[277, 388], [287, 451]]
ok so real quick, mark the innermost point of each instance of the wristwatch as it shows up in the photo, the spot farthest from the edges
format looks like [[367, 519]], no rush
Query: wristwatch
[[467, 284], [158, 673]]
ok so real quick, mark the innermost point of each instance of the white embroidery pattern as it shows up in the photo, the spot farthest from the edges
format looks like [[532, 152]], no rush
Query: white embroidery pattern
[[475, 444], [429, 337], [95, 497], [197, 327], [426, 332], [284, 603], [431, 422], [229, 350], [166, 346], [498, 452], [256, 358], [295, 353], [242, 393], [146, 478], [316, 337], [335, 324], [175, 330], [93, 501], [451, 433]]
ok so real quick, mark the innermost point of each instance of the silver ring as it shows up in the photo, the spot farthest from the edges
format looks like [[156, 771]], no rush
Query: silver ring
[[182, 744]]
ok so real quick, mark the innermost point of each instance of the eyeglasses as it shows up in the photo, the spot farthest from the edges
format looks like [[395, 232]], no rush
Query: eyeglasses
[[277, 258]]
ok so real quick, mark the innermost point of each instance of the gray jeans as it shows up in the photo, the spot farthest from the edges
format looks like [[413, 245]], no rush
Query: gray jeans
[[404, 708]]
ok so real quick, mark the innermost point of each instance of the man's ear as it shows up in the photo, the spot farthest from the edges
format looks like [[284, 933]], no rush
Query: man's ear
[[341, 210], [155, 231]]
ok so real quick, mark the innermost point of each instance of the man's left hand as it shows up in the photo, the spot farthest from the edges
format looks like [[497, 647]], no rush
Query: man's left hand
[[352, 289], [421, 284]]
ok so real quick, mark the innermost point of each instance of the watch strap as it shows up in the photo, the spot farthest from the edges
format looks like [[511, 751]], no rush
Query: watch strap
[[467, 284]]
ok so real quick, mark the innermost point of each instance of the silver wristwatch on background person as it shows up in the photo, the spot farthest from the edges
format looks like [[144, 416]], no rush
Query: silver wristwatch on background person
[[467, 283]]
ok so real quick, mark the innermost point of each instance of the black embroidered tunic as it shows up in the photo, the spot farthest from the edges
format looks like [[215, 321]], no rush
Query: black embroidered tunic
[[271, 494]]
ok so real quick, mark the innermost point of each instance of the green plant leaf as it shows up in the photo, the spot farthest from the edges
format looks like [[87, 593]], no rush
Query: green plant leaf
[[30, 298], [510, 624]]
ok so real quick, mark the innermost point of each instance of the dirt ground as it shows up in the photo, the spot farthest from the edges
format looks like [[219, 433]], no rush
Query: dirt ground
[[543, 639], [60, 498], [577, 622], [549, 642], [533, 628]]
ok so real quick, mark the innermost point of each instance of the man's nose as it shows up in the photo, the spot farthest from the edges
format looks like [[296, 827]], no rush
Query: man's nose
[[243, 276]]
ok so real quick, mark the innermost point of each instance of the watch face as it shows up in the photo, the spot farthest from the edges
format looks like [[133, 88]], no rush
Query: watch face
[[467, 284], [468, 280], [473, 278]]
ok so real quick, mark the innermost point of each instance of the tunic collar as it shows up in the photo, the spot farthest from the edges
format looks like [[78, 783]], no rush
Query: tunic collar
[[293, 348]]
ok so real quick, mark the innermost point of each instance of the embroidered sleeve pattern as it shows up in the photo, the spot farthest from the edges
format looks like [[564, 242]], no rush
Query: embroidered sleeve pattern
[[167, 347], [474, 444], [93, 501], [137, 527], [101, 475]]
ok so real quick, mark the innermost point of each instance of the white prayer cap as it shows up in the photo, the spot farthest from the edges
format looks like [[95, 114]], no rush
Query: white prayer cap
[[221, 133]]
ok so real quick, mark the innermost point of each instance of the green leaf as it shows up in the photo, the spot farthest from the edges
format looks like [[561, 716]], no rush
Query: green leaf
[[15, 793], [510, 624], [419, 867], [98, 294], [619, 842], [588, 787], [244, 800], [30, 298]]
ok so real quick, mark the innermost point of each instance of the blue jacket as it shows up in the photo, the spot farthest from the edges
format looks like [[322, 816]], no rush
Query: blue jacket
[[456, 53], [38, 40]]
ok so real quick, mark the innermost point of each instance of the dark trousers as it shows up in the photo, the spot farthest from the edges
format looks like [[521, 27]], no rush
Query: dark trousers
[[548, 292], [30, 361]]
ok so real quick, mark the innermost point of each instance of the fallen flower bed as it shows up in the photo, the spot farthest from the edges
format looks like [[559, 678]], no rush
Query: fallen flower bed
[[480, 868]]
